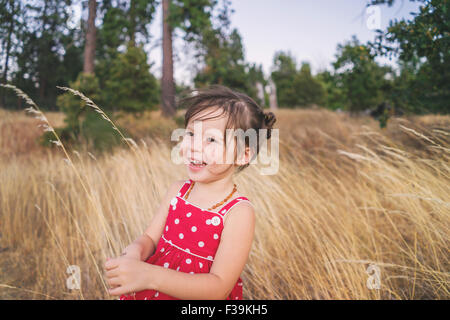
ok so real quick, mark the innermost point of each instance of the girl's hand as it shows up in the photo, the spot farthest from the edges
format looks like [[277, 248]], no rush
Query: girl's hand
[[125, 275], [132, 251], [131, 254]]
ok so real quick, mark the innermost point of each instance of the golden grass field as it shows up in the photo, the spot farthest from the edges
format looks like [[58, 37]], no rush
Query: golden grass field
[[348, 195]]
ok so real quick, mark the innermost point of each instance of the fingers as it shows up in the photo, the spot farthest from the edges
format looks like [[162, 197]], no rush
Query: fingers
[[112, 278], [118, 291], [111, 263], [113, 282], [112, 273]]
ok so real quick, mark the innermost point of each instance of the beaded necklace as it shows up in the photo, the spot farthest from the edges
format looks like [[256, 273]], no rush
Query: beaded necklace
[[218, 204]]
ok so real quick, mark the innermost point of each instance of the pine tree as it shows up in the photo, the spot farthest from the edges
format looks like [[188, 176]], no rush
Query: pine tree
[[131, 86]]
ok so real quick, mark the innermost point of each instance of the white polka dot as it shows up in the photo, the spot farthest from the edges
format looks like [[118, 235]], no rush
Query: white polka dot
[[166, 265], [210, 257], [215, 221], [179, 194], [156, 294], [178, 269], [201, 244], [200, 264], [189, 214], [167, 228], [216, 236], [181, 236], [194, 228], [173, 202], [162, 249], [208, 221], [188, 261], [177, 221], [224, 210], [187, 250], [192, 272]]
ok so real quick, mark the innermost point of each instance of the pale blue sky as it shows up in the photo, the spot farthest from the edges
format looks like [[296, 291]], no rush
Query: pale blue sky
[[311, 30]]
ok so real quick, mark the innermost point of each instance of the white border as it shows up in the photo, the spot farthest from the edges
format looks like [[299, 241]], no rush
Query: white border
[[171, 243]]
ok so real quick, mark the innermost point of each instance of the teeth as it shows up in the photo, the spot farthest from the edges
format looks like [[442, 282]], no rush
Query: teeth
[[196, 162]]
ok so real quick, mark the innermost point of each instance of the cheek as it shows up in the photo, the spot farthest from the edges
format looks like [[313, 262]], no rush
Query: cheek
[[229, 153], [184, 146], [213, 153]]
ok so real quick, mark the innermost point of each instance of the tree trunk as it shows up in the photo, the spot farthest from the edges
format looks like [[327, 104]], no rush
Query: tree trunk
[[167, 83], [132, 29], [8, 49], [44, 48], [260, 89], [273, 95], [89, 48]]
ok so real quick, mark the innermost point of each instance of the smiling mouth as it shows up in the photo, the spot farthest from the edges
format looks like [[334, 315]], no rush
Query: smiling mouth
[[197, 163]]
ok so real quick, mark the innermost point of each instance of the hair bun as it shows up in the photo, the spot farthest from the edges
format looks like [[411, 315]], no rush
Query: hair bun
[[269, 120]]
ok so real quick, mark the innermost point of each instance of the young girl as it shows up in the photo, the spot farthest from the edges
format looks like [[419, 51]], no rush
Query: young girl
[[199, 240]]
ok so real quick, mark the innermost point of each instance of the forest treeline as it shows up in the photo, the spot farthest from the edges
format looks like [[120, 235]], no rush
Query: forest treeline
[[104, 56]]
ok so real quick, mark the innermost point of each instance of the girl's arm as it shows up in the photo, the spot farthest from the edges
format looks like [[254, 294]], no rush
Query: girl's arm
[[145, 245], [230, 259]]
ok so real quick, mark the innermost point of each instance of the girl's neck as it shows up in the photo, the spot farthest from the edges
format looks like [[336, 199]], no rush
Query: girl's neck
[[216, 187], [207, 194]]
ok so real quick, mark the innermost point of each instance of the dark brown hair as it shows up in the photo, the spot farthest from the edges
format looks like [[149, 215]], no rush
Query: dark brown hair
[[243, 112]]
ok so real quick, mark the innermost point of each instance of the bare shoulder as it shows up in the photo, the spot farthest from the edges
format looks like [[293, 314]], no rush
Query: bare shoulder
[[173, 189], [176, 185], [170, 193], [242, 212]]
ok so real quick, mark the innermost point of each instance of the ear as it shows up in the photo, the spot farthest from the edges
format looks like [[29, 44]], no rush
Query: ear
[[245, 158]]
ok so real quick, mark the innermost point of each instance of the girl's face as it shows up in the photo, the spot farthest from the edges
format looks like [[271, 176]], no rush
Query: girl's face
[[203, 141]]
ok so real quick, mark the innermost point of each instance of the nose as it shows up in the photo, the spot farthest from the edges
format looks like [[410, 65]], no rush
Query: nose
[[197, 143], [193, 147]]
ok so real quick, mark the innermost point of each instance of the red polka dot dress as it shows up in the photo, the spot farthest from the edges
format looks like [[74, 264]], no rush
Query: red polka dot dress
[[189, 242]]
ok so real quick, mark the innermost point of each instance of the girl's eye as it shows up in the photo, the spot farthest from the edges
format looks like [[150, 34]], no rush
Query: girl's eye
[[189, 133], [210, 139]]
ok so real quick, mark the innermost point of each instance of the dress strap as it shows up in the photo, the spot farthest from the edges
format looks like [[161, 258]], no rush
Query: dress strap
[[184, 188], [226, 208]]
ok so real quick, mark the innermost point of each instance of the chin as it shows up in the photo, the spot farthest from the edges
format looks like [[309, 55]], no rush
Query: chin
[[197, 175]]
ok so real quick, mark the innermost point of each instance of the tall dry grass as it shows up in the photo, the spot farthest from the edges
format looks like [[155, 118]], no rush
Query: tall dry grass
[[347, 195]]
